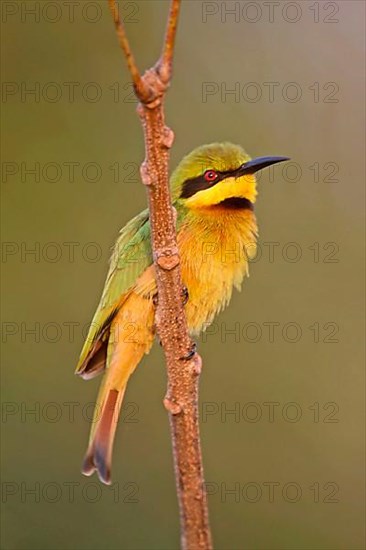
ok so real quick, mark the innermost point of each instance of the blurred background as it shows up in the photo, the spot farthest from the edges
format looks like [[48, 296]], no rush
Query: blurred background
[[282, 390]]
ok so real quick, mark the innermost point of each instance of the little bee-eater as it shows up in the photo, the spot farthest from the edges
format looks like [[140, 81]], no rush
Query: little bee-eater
[[213, 191]]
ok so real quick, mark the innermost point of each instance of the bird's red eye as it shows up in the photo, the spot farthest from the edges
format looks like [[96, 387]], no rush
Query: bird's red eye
[[210, 175]]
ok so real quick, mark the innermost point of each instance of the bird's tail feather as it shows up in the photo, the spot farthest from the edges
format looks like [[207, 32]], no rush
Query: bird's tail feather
[[99, 453], [128, 341]]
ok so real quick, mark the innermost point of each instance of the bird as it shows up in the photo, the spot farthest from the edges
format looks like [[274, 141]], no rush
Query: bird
[[213, 190]]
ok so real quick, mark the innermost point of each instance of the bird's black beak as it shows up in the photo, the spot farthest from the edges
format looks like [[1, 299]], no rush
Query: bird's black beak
[[253, 166]]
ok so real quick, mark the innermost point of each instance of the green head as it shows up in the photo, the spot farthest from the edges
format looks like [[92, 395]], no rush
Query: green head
[[218, 172]]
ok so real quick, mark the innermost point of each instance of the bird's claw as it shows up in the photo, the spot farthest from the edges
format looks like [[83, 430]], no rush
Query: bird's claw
[[185, 295], [190, 353]]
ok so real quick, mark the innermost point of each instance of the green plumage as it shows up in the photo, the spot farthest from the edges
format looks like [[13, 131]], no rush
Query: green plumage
[[131, 256]]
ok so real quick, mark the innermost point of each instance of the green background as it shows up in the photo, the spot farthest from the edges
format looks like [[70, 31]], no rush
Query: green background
[[50, 289]]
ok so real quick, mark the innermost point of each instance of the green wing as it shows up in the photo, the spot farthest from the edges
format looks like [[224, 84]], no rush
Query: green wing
[[131, 256]]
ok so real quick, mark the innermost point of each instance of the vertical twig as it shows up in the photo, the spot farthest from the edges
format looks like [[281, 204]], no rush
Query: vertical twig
[[183, 364]]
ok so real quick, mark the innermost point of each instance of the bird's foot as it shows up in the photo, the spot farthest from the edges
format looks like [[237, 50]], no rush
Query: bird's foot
[[185, 295], [190, 353]]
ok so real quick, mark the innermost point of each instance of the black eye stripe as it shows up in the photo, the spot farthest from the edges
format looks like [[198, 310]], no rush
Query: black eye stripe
[[192, 186]]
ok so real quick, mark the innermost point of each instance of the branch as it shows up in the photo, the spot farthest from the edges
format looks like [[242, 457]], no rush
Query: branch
[[165, 63], [142, 91], [183, 363]]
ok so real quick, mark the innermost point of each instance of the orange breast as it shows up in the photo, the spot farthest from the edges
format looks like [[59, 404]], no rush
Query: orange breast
[[214, 249]]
